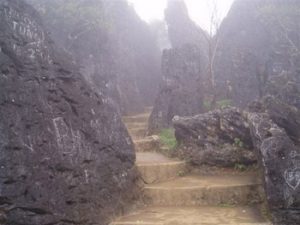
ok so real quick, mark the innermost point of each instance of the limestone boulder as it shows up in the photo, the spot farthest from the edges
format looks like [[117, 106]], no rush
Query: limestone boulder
[[257, 40], [274, 125], [115, 50], [219, 138], [282, 103], [280, 159], [66, 157], [180, 93]]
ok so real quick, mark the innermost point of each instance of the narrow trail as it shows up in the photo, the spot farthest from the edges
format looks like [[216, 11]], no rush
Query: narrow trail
[[173, 199]]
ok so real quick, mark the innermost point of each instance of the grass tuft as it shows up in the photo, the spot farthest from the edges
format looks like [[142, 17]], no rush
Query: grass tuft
[[167, 138]]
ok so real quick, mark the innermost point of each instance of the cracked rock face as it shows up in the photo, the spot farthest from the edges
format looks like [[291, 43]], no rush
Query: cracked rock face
[[280, 159], [283, 104], [183, 69], [271, 127], [218, 138], [114, 48], [181, 92], [274, 126], [258, 39], [181, 29], [65, 155]]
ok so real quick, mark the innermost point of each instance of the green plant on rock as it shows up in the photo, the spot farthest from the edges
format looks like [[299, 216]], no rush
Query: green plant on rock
[[225, 205], [167, 138], [206, 105], [240, 167], [221, 104], [224, 103], [238, 143], [181, 173]]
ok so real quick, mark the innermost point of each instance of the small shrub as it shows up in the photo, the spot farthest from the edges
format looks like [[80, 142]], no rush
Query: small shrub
[[167, 138]]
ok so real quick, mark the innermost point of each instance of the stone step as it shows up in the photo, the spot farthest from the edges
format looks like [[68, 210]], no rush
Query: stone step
[[135, 125], [149, 143], [155, 167], [137, 133], [193, 216], [149, 109], [205, 190], [140, 118]]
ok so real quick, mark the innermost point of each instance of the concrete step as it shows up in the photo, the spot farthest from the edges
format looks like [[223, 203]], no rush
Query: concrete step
[[193, 216], [155, 167], [147, 144], [205, 190], [140, 118]]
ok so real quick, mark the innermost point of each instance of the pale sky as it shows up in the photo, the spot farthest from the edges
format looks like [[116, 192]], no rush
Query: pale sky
[[199, 10]]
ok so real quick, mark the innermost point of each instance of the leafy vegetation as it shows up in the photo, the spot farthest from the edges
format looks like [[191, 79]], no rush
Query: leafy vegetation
[[167, 137], [238, 142]]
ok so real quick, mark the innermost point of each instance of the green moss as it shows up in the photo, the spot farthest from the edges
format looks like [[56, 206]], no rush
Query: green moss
[[226, 205], [221, 104], [167, 138], [224, 103], [240, 167], [206, 105]]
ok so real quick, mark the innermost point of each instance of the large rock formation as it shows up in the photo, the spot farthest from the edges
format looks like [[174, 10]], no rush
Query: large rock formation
[[183, 69], [160, 32], [218, 138], [181, 92], [282, 103], [112, 45], [281, 163], [274, 123], [66, 157], [258, 40], [182, 30]]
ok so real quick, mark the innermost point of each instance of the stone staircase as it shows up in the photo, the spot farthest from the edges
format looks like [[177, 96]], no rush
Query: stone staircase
[[173, 197]]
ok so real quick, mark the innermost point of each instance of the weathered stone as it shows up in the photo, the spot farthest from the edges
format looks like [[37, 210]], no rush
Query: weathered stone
[[282, 104], [183, 69], [284, 115], [181, 92], [280, 159], [285, 87], [125, 65], [181, 29], [258, 39], [219, 137], [65, 156], [274, 123]]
